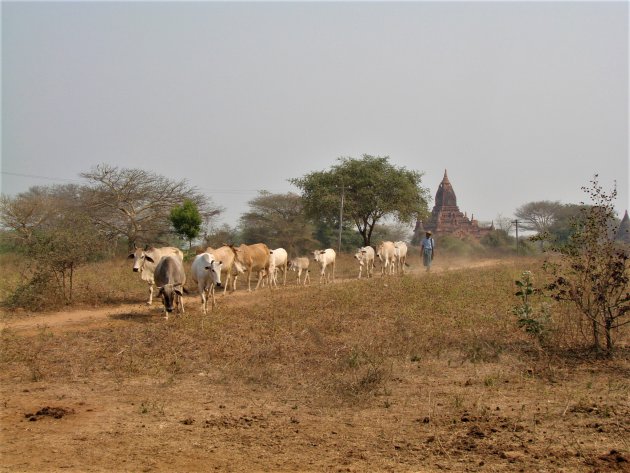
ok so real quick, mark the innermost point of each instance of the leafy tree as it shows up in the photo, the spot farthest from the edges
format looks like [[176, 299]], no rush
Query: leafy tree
[[371, 189], [592, 272], [186, 220], [136, 204], [561, 229], [279, 221], [217, 237]]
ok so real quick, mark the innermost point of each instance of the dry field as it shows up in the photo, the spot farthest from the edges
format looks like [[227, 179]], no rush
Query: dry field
[[426, 372]]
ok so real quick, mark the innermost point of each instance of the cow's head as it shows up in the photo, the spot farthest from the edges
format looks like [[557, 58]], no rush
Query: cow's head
[[317, 254], [379, 248], [170, 295], [138, 257], [360, 255], [215, 267]]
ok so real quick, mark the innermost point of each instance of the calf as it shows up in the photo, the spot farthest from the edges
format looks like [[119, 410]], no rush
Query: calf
[[206, 272], [278, 260], [386, 252], [145, 261], [299, 265], [325, 258], [365, 257], [170, 278], [401, 256]]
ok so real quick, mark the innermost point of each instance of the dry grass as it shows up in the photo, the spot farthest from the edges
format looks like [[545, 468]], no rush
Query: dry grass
[[408, 372]]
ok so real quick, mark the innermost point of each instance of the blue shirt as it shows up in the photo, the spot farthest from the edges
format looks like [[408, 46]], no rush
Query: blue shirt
[[427, 243]]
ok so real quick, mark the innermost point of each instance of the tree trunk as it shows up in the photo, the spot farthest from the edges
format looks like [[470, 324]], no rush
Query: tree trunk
[[71, 275], [609, 340], [596, 344]]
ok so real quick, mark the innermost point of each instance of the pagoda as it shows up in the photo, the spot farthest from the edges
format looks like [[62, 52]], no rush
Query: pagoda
[[447, 219], [623, 232]]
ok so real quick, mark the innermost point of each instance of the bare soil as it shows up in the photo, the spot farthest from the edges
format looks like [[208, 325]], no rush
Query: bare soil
[[435, 411]]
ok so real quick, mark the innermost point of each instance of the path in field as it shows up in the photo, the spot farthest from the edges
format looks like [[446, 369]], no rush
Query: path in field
[[79, 319]]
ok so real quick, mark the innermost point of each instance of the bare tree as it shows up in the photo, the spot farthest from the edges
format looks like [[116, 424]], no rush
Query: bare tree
[[53, 229], [538, 216], [592, 270], [136, 204]]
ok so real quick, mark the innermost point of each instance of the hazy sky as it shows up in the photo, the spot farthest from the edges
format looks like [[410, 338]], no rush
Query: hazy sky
[[520, 101]]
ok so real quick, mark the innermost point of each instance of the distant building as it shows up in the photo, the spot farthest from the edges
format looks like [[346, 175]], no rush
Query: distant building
[[447, 219], [623, 232]]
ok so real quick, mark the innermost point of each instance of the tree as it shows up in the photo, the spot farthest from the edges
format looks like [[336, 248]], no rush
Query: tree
[[279, 221], [55, 232], [371, 188], [186, 220], [136, 204], [592, 272], [538, 216]]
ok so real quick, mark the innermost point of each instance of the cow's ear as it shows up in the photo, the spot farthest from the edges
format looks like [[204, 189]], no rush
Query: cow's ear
[[131, 255], [178, 289], [160, 290], [148, 258]]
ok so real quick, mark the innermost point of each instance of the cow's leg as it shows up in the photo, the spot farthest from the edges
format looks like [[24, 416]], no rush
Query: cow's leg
[[228, 276], [150, 301], [307, 277]]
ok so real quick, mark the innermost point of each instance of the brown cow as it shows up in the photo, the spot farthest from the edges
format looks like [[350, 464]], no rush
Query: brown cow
[[254, 258], [230, 269]]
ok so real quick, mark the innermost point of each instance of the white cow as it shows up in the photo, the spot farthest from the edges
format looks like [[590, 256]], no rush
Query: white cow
[[401, 256], [386, 252], [145, 261], [206, 272], [325, 258], [278, 260], [365, 257], [300, 265]]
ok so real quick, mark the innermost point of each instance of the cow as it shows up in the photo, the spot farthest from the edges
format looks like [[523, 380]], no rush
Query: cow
[[230, 268], [146, 266], [170, 278], [206, 272], [365, 257], [253, 258], [278, 260], [325, 258], [386, 252], [401, 256], [300, 265]]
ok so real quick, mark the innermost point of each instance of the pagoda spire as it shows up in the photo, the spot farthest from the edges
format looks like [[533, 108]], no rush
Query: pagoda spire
[[623, 232]]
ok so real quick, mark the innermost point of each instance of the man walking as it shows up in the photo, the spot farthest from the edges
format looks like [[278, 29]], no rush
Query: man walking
[[427, 250]]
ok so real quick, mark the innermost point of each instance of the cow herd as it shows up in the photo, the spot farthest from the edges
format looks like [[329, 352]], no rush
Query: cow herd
[[164, 268]]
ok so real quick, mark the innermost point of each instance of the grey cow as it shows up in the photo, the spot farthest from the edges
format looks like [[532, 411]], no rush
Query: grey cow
[[170, 278]]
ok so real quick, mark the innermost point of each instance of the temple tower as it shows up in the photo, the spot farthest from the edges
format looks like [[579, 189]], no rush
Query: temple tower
[[623, 232], [447, 219]]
